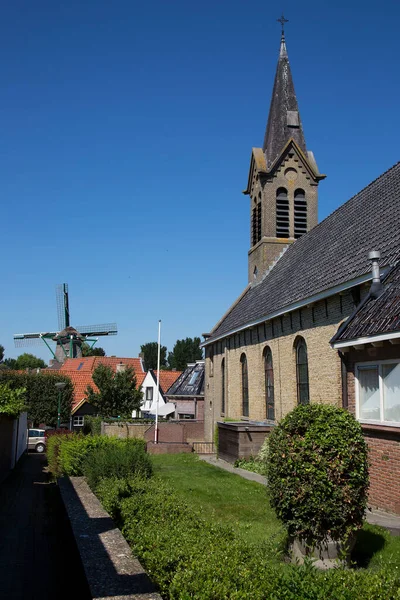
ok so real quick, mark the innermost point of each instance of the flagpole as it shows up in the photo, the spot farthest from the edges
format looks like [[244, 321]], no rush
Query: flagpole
[[158, 381]]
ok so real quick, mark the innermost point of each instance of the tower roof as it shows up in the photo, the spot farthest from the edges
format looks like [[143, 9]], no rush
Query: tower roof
[[284, 118]]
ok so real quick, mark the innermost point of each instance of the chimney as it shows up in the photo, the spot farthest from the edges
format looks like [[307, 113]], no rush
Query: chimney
[[120, 368], [376, 286]]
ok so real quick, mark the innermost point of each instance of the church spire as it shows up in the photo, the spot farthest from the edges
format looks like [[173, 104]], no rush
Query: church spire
[[284, 117]]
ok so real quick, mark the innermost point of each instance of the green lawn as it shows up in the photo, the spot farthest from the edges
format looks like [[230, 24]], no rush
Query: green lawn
[[228, 498], [220, 495]]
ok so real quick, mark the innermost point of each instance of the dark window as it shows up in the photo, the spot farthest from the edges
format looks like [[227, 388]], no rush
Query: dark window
[[282, 213], [303, 395], [269, 384], [149, 393], [223, 386], [300, 213], [245, 386], [256, 224]]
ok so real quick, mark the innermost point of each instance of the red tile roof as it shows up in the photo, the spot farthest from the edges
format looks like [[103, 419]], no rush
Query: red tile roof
[[80, 371], [167, 378]]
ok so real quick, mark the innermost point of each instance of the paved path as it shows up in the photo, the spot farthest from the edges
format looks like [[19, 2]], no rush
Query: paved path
[[375, 517], [38, 556]]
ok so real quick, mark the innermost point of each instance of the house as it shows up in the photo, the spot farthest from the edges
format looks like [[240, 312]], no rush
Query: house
[[80, 371], [13, 441], [149, 387], [187, 393], [271, 350], [369, 345]]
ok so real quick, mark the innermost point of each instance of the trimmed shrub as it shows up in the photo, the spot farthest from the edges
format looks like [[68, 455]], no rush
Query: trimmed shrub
[[122, 459], [189, 556], [317, 471], [54, 440]]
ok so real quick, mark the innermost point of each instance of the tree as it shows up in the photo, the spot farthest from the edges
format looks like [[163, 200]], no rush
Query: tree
[[150, 351], [87, 350], [25, 361], [1, 353], [117, 395], [185, 352], [12, 401]]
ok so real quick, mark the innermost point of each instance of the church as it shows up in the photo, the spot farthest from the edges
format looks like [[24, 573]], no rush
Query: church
[[311, 326]]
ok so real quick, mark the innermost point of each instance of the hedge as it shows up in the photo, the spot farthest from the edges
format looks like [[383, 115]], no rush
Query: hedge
[[189, 557], [68, 453]]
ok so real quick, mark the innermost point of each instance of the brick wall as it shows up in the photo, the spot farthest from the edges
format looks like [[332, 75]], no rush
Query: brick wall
[[168, 448], [268, 249], [177, 431], [383, 441], [238, 440], [316, 324]]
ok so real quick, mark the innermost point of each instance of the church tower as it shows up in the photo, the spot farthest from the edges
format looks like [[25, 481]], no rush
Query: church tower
[[283, 178]]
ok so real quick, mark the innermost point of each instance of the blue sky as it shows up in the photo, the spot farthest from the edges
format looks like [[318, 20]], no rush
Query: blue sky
[[126, 130]]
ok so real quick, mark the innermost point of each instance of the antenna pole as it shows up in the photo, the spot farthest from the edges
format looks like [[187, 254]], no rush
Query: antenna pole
[[158, 382]]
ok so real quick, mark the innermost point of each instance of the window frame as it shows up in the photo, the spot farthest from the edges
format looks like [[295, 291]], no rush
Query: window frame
[[245, 385], [366, 364], [149, 397], [268, 385], [299, 343], [81, 417]]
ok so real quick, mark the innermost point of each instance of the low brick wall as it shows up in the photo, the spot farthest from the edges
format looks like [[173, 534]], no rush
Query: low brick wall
[[125, 430], [384, 457], [241, 439], [168, 448], [177, 431]]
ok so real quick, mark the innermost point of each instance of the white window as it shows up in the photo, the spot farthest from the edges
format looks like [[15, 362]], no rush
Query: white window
[[149, 394], [378, 392], [78, 421]]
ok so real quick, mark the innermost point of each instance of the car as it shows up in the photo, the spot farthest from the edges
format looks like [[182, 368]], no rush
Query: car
[[36, 440]]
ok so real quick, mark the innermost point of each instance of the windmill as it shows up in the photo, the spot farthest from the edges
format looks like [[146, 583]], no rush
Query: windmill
[[68, 339]]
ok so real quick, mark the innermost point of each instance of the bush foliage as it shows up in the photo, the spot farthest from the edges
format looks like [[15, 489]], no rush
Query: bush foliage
[[12, 401], [41, 394], [318, 473], [124, 458], [189, 556], [67, 454]]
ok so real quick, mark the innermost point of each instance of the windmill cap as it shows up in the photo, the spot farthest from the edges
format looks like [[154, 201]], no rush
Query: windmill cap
[[374, 255]]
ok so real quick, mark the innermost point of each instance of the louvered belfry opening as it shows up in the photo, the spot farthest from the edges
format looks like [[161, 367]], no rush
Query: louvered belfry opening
[[256, 224], [300, 213], [282, 213]]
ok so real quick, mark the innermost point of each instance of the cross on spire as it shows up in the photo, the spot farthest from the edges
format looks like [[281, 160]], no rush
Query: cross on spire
[[282, 21]]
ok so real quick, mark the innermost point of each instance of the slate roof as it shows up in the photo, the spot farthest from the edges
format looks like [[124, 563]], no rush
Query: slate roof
[[80, 370], [333, 253], [375, 316], [283, 99], [190, 382]]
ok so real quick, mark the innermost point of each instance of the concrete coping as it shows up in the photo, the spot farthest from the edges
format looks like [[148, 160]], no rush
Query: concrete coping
[[111, 570]]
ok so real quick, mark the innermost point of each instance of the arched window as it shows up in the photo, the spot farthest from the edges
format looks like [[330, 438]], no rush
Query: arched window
[[269, 384], [256, 224], [282, 213], [223, 386], [300, 213], [245, 386], [303, 394]]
